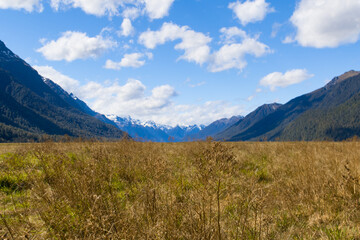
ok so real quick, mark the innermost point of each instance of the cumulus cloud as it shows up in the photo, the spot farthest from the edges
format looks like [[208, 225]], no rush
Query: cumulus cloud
[[28, 5], [94, 7], [76, 45], [327, 23], [278, 79], [155, 9], [229, 35], [129, 99], [131, 12], [129, 60], [237, 44], [126, 28], [232, 54], [251, 11], [194, 44], [158, 8], [67, 83], [102, 95]]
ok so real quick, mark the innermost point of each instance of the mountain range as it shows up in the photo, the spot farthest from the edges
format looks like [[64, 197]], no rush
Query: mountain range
[[150, 131], [33, 108]]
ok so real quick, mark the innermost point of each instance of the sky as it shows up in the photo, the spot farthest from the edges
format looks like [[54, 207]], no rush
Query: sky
[[184, 61]]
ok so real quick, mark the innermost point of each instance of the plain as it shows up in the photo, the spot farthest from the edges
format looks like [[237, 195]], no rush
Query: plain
[[199, 190]]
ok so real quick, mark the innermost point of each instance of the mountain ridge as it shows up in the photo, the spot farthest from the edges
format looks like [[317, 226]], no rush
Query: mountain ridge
[[151, 131], [324, 99], [214, 128], [33, 109], [249, 120]]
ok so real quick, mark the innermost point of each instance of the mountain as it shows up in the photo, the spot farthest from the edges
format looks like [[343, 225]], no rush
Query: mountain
[[140, 131], [339, 121], [214, 128], [246, 122], [182, 133], [150, 131], [329, 113], [31, 106]]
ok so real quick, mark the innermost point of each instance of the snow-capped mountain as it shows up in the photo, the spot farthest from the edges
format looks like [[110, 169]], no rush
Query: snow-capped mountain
[[151, 131]]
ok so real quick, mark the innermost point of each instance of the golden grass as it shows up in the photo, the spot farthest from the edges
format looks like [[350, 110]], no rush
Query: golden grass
[[11, 147], [201, 190]]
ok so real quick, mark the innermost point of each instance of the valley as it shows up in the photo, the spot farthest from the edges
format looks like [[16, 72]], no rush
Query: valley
[[34, 108], [179, 120]]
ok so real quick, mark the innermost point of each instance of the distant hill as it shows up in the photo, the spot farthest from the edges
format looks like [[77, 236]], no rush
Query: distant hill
[[244, 123], [214, 128], [31, 106], [329, 113]]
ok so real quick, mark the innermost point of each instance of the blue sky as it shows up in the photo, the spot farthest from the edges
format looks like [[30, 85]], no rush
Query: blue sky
[[184, 61]]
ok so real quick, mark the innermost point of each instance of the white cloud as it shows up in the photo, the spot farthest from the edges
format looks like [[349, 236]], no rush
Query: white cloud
[[101, 95], [229, 34], [278, 79], [76, 45], [327, 23], [67, 83], [195, 44], [95, 7], [28, 5], [204, 113], [126, 28], [155, 9], [232, 54], [129, 60], [131, 12], [158, 8], [129, 99], [251, 11], [149, 55], [288, 39]]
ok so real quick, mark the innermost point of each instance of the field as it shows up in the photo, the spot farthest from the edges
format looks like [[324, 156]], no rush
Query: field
[[201, 190]]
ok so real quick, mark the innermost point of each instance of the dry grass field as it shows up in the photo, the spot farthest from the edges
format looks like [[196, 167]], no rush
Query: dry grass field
[[201, 190]]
